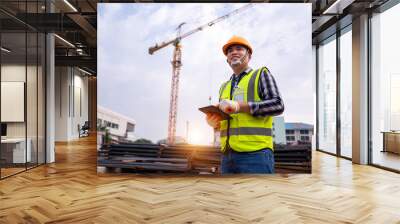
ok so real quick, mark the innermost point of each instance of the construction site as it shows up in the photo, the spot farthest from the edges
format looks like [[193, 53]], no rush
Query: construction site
[[172, 156]]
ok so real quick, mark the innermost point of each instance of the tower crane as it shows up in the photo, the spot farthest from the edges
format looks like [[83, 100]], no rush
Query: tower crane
[[177, 64]]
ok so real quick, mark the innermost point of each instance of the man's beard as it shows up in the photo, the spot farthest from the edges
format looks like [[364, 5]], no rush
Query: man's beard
[[235, 63]]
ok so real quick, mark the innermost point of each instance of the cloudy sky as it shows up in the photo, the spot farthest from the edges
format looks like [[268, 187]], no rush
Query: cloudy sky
[[136, 84]]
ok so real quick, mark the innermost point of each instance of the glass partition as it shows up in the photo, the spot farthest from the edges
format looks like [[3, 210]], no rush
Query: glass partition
[[22, 88], [14, 154], [41, 85], [31, 99]]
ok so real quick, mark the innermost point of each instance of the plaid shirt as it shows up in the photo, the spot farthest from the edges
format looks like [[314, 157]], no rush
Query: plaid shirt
[[271, 103]]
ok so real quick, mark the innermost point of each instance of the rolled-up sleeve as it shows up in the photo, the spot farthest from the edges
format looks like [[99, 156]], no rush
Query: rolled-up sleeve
[[271, 103]]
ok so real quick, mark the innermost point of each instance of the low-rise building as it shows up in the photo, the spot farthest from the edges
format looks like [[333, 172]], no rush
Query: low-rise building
[[298, 132], [120, 127]]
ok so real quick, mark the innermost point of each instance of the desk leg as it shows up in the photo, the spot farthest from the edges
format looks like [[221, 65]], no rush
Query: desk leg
[[384, 143]]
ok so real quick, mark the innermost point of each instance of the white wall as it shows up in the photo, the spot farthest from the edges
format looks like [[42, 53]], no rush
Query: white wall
[[33, 126], [80, 103], [71, 102], [11, 73], [62, 80]]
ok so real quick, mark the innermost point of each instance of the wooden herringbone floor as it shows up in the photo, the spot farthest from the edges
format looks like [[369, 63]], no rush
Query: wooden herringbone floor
[[71, 191]]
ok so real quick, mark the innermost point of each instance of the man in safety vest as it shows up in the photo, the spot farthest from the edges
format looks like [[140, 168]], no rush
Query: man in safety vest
[[252, 98]]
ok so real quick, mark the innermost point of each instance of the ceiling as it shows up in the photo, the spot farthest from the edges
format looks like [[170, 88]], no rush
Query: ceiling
[[76, 22]]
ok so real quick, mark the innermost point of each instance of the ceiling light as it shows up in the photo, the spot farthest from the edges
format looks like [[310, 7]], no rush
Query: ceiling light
[[70, 5], [65, 41], [79, 51], [86, 72], [5, 50]]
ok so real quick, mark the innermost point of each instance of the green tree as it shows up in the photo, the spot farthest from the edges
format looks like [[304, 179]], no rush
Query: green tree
[[142, 141], [107, 137]]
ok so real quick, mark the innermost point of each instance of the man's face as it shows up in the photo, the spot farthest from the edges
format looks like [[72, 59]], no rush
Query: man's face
[[237, 55]]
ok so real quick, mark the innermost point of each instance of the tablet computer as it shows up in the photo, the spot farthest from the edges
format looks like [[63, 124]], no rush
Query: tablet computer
[[215, 110]]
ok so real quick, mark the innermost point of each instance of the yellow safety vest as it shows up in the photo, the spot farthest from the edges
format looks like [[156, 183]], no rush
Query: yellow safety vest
[[246, 132]]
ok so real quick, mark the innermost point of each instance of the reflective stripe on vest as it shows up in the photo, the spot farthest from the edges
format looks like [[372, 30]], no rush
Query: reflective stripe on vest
[[246, 133]]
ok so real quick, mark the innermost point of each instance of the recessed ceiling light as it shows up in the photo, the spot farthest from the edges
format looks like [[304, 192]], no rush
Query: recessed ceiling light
[[70, 5], [86, 72], [64, 40], [5, 50]]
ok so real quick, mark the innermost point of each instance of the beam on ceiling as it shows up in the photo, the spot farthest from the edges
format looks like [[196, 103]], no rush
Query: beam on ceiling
[[83, 23], [338, 6], [320, 22], [83, 61]]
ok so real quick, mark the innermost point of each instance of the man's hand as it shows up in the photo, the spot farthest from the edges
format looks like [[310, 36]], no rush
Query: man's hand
[[243, 107], [213, 120], [229, 106]]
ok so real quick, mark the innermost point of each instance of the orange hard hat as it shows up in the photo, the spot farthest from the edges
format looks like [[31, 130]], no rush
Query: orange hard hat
[[236, 40]]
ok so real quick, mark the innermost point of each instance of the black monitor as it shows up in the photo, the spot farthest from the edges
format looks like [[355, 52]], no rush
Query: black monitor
[[3, 129]]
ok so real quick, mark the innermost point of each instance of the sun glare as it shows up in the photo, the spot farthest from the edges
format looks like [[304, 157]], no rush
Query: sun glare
[[196, 137]]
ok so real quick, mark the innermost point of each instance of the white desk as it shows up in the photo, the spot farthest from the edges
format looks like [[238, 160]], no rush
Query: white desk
[[19, 149]]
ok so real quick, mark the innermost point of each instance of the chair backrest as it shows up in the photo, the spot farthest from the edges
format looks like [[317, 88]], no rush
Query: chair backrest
[[86, 125]]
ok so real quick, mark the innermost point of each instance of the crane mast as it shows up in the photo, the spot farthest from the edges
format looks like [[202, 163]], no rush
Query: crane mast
[[177, 64], [173, 103]]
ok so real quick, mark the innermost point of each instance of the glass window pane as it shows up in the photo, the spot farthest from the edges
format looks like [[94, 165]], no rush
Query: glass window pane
[[346, 94], [327, 96], [386, 88]]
